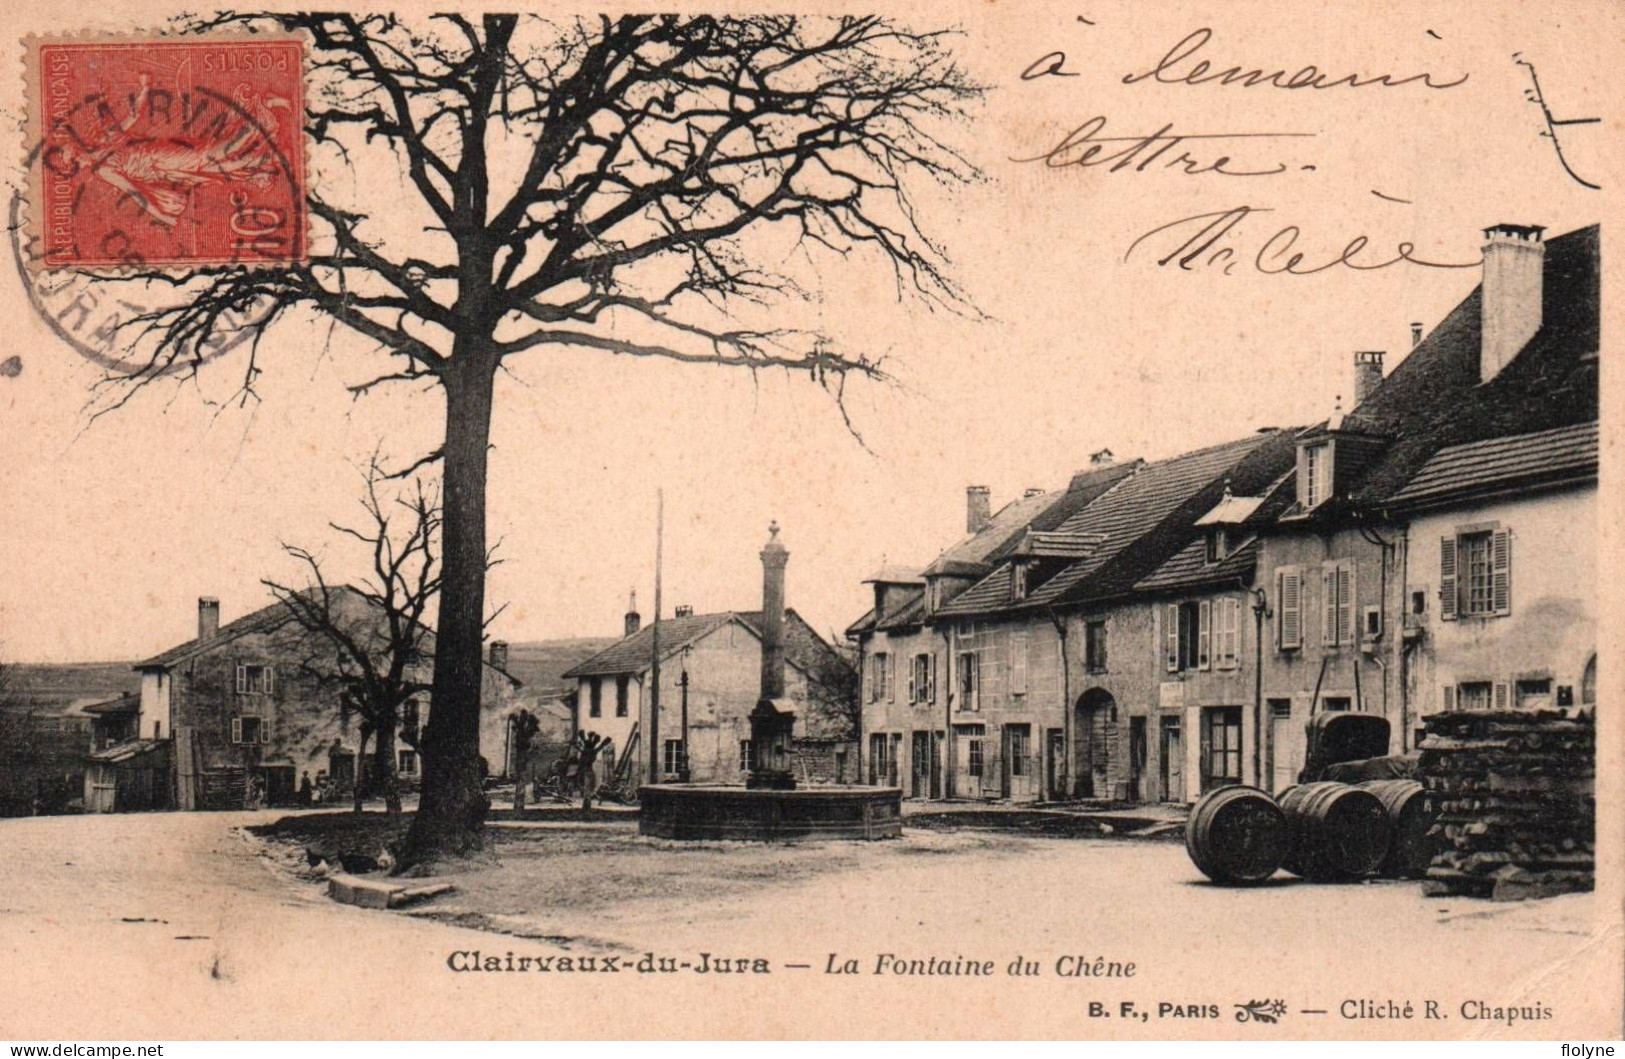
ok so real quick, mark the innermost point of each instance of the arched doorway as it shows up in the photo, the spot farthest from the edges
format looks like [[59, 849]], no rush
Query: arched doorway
[[1096, 724]]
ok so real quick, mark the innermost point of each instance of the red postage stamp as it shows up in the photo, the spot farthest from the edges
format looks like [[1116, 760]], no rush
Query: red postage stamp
[[168, 152]]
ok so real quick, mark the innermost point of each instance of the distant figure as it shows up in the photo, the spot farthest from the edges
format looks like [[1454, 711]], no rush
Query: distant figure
[[304, 790]]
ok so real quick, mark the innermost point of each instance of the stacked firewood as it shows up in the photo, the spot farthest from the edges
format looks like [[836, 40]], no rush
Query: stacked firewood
[[1513, 802]]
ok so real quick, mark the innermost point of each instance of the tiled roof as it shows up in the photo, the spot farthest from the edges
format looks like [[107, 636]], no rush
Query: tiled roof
[[1434, 398], [1146, 517], [541, 664], [122, 704], [269, 619], [969, 555], [1189, 569], [803, 647], [1476, 467], [265, 619], [1085, 488]]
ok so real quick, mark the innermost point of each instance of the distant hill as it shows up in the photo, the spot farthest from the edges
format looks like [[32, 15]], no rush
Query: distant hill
[[539, 663], [53, 686]]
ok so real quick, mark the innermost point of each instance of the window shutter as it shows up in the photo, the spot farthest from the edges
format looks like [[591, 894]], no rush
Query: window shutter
[[933, 696], [270, 679], [1328, 606], [1501, 571], [242, 679], [1171, 635], [1291, 608], [891, 679], [869, 680], [1204, 634], [237, 726], [1447, 578], [1232, 633], [265, 730], [912, 669], [1501, 696], [1345, 604], [1449, 693], [1018, 663]]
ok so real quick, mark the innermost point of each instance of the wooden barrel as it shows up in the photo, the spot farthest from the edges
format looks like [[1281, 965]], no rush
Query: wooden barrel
[[1409, 848], [1236, 835], [1334, 831]]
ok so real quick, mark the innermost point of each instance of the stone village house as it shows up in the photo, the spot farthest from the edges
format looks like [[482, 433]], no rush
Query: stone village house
[[238, 703], [1176, 627], [714, 663]]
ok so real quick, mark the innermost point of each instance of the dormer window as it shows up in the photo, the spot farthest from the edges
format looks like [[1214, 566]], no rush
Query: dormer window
[[1217, 545], [1018, 580], [1314, 474]]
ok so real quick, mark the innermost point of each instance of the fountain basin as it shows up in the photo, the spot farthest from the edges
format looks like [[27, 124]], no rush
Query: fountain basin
[[715, 811]]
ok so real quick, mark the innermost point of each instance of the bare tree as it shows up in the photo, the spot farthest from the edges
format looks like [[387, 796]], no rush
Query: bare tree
[[601, 184], [367, 639]]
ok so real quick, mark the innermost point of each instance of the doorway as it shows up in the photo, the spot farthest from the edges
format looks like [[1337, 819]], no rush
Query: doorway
[[1097, 715], [921, 766], [1055, 764], [1286, 753], [1136, 758], [1172, 749]]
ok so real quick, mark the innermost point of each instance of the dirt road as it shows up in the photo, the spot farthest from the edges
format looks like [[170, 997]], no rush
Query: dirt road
[[173, 926]]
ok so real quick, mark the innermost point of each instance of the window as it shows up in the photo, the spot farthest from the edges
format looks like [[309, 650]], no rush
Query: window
[[1289, 608], [1187, 634], [1373, 623], [1475, 573], [253, 679], [747, 755], [1221, 737], [250, 730], [969, 686], [1473, 696], [1094, 647], [1218, 545], [409, 763], [1336, 704], [973, 755], [621, 683], [880, 677], [410, 714], [840, 766], [922, 682], [1337, 604], [1019, 739], [596, 690], [671, 758], [1018, 579], [1419, 603], [1316, 477], [1018, 662], [1534, 694]]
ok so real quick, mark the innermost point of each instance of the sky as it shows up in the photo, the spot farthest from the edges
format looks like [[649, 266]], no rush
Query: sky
[[111, 529]]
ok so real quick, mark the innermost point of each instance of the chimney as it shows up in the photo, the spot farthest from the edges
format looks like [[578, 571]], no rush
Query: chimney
[[499, 654], [208, 617], [1416, 333], [634, 620], [978, 508], [1514, 266], [1367, 374], [684, 610], [1103, 458], [774, 559], [1034, 491]]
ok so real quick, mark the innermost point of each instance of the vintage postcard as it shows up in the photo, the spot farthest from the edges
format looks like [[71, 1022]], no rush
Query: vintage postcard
[[953, 521]]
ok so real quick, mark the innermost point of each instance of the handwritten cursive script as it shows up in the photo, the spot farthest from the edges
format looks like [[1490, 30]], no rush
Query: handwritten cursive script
[[1176, 68], [1085, 147], [1208, 241]]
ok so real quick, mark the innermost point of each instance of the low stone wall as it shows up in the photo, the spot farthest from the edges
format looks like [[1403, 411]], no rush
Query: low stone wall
[[1513, 801], [685, 811]]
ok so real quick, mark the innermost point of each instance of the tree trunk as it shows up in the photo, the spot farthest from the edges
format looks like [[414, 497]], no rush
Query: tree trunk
[[453, 805], [388, 771], [360, 769]]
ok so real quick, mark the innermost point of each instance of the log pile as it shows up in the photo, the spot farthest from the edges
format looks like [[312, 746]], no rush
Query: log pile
[[1513, 803]]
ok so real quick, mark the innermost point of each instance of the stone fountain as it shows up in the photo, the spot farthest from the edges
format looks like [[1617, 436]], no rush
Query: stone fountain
[[770, 806]]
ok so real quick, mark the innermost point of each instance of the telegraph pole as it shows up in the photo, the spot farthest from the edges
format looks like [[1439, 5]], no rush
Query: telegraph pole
[[654, 664]]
